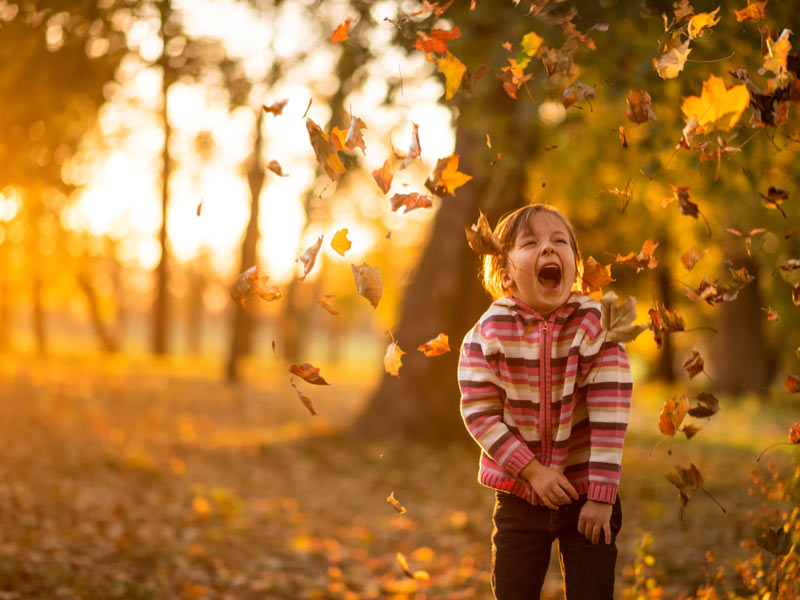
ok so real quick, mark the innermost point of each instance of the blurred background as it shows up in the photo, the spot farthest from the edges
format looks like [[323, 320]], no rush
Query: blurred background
[[135, 139]]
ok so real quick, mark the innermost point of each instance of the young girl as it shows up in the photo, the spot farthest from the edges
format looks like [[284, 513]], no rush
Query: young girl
[[547, 399]]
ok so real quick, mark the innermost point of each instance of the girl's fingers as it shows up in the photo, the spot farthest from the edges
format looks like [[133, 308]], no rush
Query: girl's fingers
[[607, 529], [596, 534]]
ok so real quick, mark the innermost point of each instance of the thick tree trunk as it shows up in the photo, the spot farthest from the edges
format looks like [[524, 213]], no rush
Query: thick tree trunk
[[241, 330], [664, 367]]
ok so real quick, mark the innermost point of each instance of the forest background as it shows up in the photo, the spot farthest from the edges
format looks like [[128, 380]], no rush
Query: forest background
[[203, 203]]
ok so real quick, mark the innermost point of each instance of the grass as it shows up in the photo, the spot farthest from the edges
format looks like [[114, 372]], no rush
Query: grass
[[152, 478]]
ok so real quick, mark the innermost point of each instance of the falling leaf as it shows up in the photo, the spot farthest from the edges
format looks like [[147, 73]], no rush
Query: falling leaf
[[672, 61], [199, 207], [691, 256], [303, 398], [243, 285], [699, 23], [391, 360], [693, 364], [414, 149], [794, 433], [341, 33], [453, 71], [639, 110], [717, 106], [267, 292], [396, 504], [506, 46], [576, 92], [687, 207], [642, 260], [409, 202], [436, 347], [774, 198], [274, 350], [436, 41], [446, 177], [275, 108], [488, 142], [713, 292], [617, 318], [688, 480], [754, 11], [326, 302], [275, 167], [383, 176], [355, 138], [481, 239], [792, 384], [496, 158], [683, 10], [670, 321], [672, 414], [340, 243], [324, 151], [368, 282], [338, 138], [654, 325], [690, 430], [707, 405], [308, 372], [529, 48], [595, 276], [796, 295], [622, 137], [777, 53], [309, 257], [776, 541], [772, 315], [423, 575]]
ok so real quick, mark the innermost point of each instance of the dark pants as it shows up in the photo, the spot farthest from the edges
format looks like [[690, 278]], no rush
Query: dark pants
[[521, 541]]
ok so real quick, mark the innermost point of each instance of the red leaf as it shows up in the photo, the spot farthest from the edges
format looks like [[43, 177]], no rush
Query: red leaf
[[410, 201], [383, 176], [308, 372], [436, 41]]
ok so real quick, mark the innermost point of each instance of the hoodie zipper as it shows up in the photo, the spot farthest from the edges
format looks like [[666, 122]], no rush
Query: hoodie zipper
[[544, 398]]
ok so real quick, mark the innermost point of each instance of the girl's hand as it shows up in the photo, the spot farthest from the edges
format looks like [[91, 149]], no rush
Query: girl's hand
[[552, 487], [594, 518]]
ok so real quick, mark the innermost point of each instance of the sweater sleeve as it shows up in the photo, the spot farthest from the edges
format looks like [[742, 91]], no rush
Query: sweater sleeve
[[482, 405], [605, 374]]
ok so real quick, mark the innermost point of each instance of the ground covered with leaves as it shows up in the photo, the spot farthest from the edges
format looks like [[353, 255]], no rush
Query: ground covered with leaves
[[156, 480]]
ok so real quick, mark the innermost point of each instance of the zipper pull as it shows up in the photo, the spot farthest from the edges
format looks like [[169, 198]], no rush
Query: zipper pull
[[544, 326]]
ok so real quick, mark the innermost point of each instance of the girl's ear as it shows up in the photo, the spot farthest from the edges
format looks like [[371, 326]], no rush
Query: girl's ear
[[506, 280]]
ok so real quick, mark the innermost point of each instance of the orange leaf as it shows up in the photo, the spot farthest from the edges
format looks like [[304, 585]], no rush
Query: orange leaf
[[777, 52], [341, 34], [699, 23], [338, 137], [481, 239], [324, 151], [446, 177], [267, 292], [326, 302], [754, 11], [772, 315], [391, 360], [410, 201], [383, 176], [396, 504], [340, 243], [691, 256], [794, 433], [436, 347], [275, 167], [303, 398], [309, 257], [595, 276], [644, 259], [791, 384], [672, 414], [717, 106], [453, 71], [275, 108], [199, 208], [308, 372], [368, 282], [436, 41], [414, 149], [243, 285]]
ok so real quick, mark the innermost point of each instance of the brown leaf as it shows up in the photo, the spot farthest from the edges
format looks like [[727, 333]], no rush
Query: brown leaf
[[481, 239], [693, 364], [303, 398], [672, 413], [639, 110], [707, 405], [326, 302], [401, 559], [275, 167], [655, 326], [622, 137], [691, 256], [595, 276], [325, 151], [276, 108], [688, 480], [687, 207], [617, 318], [396, 504], [308, 373], [409, 202], [199, 207], [383, 176], [355, 138], [368, 282], [576, 92], [414, 148], [670, 321], [243, 285], [436, 347], [309, 257], [690, 430]]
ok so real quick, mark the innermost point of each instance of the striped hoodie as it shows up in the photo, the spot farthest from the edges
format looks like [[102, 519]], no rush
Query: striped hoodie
[[551, 389]]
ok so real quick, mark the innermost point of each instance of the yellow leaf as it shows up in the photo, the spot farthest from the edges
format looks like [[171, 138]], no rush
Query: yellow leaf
[[391, 360], [340, 243], [671, 62], [777, 51], [530, 46], [437, 346], [717, 106], [702, 21], [338, 138], [446, 177], [672, 414], [453, 70]]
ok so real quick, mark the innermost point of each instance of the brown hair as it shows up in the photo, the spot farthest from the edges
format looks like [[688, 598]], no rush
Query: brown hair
[[508, 228]]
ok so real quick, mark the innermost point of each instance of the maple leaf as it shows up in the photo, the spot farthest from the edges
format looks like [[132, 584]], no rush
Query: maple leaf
[[326, 302], [267, 292], [396, 504], [446, 177], [453, 71], [639, 110], [777, 53], [595, 276], [409, 202], [309, 257], [693, 364], [368, 282], [341, 33], [338, 137], [275, 108], [391, 360], [383, 176], [672, 414], [436, 347], [707, 405], [654, 325], [713, 292], [325, 151], [414, 149], [691, 256], [642, 260], [683, 10], [340, 243], [436, 41], [671, 63], [355, 137], [717, 107], [754, 11], [481, 239], [700, 22], [275, 167], [303, 398], [617, 318], [688, 480], [308, 373], [401, 559]]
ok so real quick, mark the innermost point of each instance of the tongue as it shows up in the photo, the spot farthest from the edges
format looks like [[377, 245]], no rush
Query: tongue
[[549, 277]]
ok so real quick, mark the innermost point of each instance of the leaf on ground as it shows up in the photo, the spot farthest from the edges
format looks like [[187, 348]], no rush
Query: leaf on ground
[[392, 359], [396, 504], [308, 373], [754, 11], [671, 63], [383, 176], [303, 398], [707, 405], [275, 167], [276, 108], [453, 71], [309, 257], [691, 256], [341, 33], [437, 346], [617, 318], [481, 239], [639, 110], [325, 151], [368, 282], [409, 202], [414, 149], [644, 259], [326, 302], [340, 243], [446, 177], [672, 414], [701, 22], [717, 107], [595, 276], [693, 364]]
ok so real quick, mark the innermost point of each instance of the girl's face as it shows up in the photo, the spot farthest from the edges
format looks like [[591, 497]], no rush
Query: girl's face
[[541, 264]]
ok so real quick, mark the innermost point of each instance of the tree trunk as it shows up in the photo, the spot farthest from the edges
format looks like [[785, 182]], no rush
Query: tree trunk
[[37, 307], [195, 310], [107, 342], [5, 311], [243, 322], [664, 367]]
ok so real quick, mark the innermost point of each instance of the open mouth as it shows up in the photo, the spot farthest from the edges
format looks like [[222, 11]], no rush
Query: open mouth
[[550, 275]]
